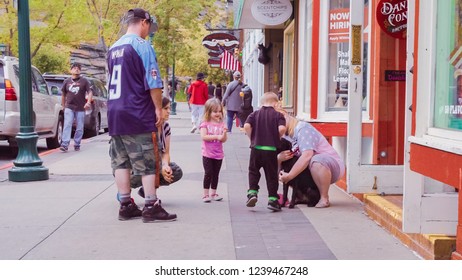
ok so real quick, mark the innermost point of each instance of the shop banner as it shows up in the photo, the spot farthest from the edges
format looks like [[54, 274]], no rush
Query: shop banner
[[339, 25]]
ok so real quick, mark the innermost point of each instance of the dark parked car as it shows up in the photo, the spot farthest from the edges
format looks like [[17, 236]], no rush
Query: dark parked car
[[97, 119]]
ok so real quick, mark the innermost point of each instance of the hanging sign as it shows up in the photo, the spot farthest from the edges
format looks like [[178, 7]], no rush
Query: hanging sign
[[271, 12], [225, 40], [392, 17]]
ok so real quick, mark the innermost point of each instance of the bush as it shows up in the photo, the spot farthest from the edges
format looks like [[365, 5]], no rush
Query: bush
[[51, 61]]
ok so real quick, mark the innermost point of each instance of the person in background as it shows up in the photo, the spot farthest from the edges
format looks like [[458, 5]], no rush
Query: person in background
[[199, 95], [246, 107], [76, 98], [188, 95], [213, 134], [134, 116], [232, 99], [313, 151], [211, 90], [219, 92], [265, 127]]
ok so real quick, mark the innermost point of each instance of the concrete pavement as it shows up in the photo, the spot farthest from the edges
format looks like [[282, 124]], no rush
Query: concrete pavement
[[73, 215]]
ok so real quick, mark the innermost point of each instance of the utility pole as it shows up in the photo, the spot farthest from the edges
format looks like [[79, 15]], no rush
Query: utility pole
[[28, 165]]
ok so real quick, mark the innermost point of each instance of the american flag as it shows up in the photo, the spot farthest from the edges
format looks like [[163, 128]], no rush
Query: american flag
[[228, 62]]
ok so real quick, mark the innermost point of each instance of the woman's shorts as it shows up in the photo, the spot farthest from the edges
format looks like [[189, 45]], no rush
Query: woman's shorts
[[330, 163], [135, 152]]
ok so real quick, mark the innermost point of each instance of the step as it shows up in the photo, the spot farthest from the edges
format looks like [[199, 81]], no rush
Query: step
[[387, 212]]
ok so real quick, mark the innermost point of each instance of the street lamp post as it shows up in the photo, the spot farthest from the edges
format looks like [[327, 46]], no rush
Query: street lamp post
[[28, 165], [173, 111]]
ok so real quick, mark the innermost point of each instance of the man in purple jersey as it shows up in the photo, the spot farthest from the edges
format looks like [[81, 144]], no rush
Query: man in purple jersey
[[134, 114]]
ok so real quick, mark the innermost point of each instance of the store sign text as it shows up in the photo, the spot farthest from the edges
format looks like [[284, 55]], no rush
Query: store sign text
[[271, 12], [343, 67], [392, 17]]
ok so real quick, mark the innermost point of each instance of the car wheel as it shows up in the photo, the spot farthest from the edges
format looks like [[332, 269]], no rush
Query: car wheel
[[55, 142], [95, 129]]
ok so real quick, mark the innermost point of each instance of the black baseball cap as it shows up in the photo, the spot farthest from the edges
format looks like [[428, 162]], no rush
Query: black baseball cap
[[142, 14], [76, 64]]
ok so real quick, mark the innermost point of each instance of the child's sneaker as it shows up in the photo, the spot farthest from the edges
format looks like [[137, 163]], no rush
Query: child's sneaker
[[216, 197], [206, 199], [252, 200], [274, 205]]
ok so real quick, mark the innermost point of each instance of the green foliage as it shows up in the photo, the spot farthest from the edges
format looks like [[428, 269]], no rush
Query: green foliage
[[60, 25], [52, 60]]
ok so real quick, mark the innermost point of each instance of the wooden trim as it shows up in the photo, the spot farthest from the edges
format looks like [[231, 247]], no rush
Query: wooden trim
[[416, 68], [296, 56], [439, 165], [315, 59], [340, 129]]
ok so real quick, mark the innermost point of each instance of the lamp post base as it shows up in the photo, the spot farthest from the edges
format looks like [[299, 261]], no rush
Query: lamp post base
[[27, 174], [28, 165]]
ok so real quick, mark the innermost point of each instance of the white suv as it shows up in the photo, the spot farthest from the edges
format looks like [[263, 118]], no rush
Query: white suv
[[47, 111]]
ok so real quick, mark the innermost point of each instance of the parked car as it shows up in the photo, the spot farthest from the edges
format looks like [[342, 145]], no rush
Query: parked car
[[96, 120], [47, 110]]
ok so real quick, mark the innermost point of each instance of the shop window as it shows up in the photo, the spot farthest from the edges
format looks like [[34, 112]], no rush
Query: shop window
[[338, 59], [448, 81]]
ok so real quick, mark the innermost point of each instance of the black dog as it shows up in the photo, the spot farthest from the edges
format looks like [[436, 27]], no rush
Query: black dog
[[304, 189]]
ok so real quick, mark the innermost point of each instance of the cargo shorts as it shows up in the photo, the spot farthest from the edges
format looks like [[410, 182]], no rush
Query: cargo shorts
[[135, 152]]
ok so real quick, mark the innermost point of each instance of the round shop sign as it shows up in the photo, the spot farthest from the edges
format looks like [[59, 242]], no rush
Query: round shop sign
[[392, 17], [271, 12]]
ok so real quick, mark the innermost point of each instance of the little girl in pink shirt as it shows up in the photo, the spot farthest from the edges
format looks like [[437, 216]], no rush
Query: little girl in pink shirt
[[213, 134]]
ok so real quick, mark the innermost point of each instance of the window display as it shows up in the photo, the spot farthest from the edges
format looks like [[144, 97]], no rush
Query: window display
[[338, 54], [448, 81]]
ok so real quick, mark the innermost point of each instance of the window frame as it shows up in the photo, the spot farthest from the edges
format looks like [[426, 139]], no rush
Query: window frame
[[336, 116], [425, 133]]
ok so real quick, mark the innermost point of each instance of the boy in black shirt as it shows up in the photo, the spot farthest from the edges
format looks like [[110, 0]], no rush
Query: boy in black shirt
[[265, 127]]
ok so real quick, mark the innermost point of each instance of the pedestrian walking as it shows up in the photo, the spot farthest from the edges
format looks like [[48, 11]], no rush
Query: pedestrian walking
[[219, 92], [134, 116], [188, 95], [232, 100], [76, 98], [211, 90], [265, 127], [246, 106], [199, 95], [213, 134]]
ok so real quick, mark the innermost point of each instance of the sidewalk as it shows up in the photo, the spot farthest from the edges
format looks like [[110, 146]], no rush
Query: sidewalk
[[73, 215]]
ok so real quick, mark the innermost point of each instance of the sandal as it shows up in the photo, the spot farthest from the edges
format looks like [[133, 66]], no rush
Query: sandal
[[322, 204]]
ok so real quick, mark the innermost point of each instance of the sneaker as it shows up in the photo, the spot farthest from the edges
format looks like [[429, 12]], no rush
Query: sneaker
[[252, 200], [274, 205], [216, 197], [63, 148], [76, 148], [126, 212], [193, 129], [155, 213], [206, 199]]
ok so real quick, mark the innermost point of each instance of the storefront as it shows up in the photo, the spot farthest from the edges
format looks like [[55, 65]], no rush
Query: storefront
[[382, 80], [433, 201]]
